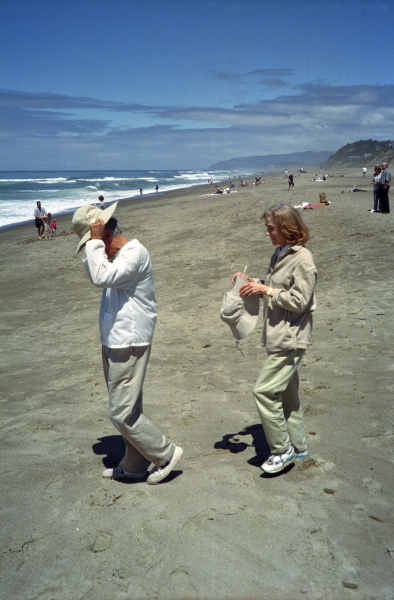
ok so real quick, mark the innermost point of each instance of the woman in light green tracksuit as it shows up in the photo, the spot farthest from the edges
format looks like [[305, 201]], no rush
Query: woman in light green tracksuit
[[289, 301]]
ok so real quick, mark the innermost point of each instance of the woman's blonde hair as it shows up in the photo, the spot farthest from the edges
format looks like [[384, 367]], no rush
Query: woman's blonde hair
[[289, 222]]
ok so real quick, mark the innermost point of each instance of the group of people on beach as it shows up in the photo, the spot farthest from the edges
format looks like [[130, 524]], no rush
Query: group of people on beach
[[45, 224], [381, 181], [122, 269]]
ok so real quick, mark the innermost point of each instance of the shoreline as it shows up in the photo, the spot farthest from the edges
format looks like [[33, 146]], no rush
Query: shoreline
[[137, 197], [169, 194], [63, 203]]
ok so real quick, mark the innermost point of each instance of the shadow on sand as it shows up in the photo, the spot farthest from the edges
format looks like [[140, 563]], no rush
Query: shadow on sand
[[233, 443], [113, 447]]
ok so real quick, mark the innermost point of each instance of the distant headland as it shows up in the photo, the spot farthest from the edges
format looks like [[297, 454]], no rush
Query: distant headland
[[361, 153]]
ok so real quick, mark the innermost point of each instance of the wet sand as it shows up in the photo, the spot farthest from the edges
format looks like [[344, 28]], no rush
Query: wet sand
[[217, 528]]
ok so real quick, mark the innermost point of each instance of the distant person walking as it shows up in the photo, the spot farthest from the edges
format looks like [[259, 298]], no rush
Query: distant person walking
[[291, 181], [364, 171], [157, 189], [39, 215], [385, 181]]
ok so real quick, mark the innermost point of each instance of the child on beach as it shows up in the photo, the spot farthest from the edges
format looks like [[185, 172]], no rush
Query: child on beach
[[53, 227], [47, 229]]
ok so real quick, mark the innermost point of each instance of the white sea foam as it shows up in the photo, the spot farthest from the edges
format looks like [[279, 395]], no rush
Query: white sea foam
[[62, 192], [35, 180]]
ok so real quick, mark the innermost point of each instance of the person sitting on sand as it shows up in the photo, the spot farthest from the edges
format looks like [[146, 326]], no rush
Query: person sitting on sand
[[288, 293], [217, 190]]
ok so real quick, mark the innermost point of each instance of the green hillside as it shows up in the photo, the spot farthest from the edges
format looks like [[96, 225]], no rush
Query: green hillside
[[364, 153]]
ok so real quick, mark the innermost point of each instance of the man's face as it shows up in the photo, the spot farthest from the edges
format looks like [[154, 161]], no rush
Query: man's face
[[384, 166]]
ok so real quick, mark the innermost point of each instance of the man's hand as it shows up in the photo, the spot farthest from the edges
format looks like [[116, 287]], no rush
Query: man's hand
[[97, 230]]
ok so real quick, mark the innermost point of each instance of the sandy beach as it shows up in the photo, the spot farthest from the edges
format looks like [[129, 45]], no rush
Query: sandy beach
[[217, 528]]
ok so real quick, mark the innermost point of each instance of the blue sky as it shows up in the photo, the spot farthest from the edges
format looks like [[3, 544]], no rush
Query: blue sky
[[178, 84]]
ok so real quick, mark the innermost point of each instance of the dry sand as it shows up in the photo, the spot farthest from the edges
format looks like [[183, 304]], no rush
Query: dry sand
[[217, 528]]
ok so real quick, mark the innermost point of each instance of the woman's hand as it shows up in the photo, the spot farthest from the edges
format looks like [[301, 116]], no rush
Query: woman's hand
[[241, 275], [252, 288]]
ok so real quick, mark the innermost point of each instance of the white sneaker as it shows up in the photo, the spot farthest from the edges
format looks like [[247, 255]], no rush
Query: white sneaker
[[303, 454], [159, 473], [118, 473], [277, 462]]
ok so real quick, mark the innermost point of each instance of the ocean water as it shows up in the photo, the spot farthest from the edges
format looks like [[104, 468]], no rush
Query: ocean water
[[64, 191]]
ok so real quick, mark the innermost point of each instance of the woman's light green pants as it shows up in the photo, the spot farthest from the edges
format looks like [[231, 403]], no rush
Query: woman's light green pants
[[278, 404]]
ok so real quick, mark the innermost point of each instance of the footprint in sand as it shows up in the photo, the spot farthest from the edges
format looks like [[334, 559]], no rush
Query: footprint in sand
[[181, 585], [37, 545], [358, 514], [54, 490], [102, 542], [187, 417], [372, 486], [195, 523], [102, 497]]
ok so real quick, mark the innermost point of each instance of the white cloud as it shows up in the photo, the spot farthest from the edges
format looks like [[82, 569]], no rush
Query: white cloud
[[87, 131]]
